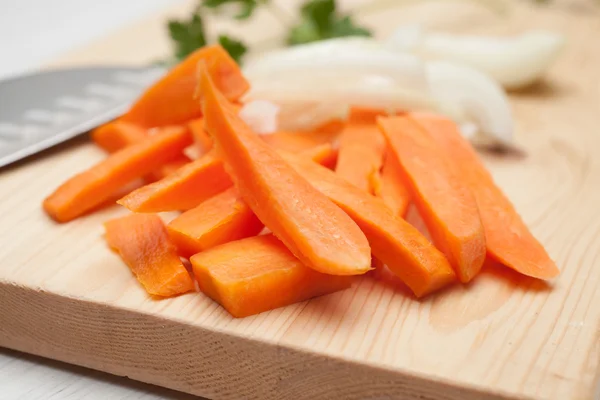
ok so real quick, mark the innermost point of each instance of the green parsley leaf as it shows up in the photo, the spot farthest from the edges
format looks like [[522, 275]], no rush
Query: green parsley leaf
[[320, 12], [234, 47], [246, 7], [345, 27], [187, 36], [320, 20], [305, 32]]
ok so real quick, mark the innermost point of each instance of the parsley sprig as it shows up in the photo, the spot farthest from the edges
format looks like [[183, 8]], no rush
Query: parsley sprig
[[319, 19]]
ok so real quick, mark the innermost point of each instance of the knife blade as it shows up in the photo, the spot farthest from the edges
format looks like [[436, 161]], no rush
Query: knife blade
[[41, 110]]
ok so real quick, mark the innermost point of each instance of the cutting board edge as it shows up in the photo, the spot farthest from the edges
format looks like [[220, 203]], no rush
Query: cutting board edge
[[83, 338]]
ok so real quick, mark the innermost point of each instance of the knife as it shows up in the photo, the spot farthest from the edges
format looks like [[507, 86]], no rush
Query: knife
[[43, 109]]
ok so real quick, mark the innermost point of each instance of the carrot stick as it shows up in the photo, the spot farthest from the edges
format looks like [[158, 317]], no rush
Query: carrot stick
[[361, 148], [443, 199], [508, 239], [314, 229], [394, 241], [220, 219], [184, 189], [167, 169], [115, 135], [90, 188], [194, 183], [258, 274], [202, 139], [298, 141], [142, 242], [223, 218], [388, 185], [323, 154], [170, 101]]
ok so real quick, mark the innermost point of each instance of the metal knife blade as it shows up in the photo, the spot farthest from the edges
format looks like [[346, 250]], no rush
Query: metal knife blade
[[44, 109]]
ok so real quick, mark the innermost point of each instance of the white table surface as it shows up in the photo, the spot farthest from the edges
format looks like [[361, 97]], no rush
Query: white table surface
[[32, 32]]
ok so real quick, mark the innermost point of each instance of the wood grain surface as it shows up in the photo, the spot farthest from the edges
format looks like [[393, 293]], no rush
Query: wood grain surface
[[27, 377], [64, 295]]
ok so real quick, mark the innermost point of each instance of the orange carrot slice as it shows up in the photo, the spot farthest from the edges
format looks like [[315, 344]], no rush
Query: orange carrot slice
[[258, 274], [443, 199], [196, 182], [361, 148], [142, 242], [323, 154], [333, 126], [315, 230], [224, 217], [184, 189], [202, 139], [394, 241], [115, 135], [508, 239], [90, 188], [170, 101], [220, 219], [298, 141], [389, 186]]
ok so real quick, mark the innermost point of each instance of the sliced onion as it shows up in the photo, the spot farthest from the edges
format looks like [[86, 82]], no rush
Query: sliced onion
[[261, 116], [319, 81], [469, 96], [339, 59], [514, 62]]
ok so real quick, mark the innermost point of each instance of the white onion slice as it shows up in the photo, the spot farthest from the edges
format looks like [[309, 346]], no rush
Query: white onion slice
[[319, 81], [514, 62], [261, 116], [339, 61], [469, 96]]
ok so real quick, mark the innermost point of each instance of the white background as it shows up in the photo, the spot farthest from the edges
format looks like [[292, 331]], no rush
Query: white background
[[33, 32]]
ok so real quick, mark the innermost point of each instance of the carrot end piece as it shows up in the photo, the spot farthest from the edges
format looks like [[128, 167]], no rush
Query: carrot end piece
[[143, 243]]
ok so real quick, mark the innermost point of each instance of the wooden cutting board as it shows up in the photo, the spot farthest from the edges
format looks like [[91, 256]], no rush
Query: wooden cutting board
[[64, 295]]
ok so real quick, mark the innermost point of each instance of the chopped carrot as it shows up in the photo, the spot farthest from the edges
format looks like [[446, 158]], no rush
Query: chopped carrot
[[364, 115], [90, 188], [220, 219], [394, 241], [196, 182], [258, 274], [508, 239], [224, 217], [115, 135], [167, 169], [361, 148], [323, 154], [170, 101], [389, 185], [333, 127], [310, 225], [203, 141], [298, 141], [184, 189], [143, 243], [443, 199]]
